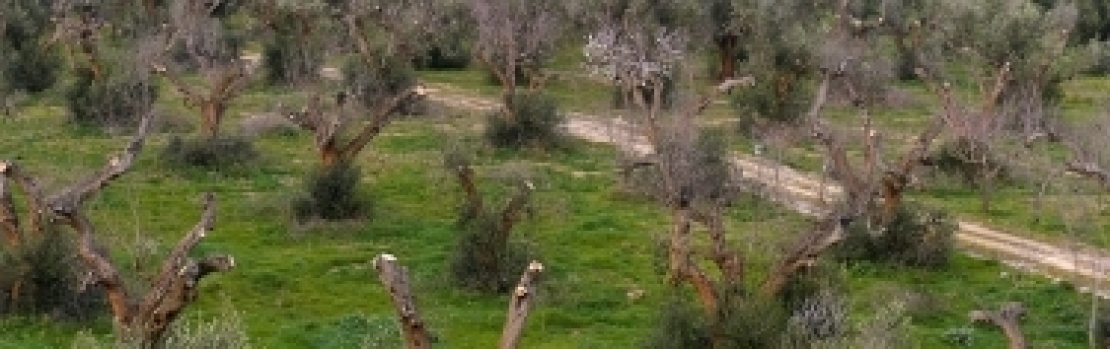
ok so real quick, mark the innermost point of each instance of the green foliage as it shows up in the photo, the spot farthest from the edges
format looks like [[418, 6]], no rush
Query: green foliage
[[25, 63], [703, 169], [962, 159], [332, 194], [487, 256], [290, 53], [532, 121], [46, 273], [111, 102], [1098, 54], [914, 237], [780, 45], [452, 47], [228, 153], [744, 322], [482, 261]]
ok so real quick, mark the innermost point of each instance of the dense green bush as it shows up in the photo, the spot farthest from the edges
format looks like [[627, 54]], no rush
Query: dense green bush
[[48, 274], [1098, 55], [26, 64], [955, 158], [534, 121], [744, 322], [109, 102], [915, 237], [332, 193], [481, 260], [703, 169], [209, 153], [290, 54]]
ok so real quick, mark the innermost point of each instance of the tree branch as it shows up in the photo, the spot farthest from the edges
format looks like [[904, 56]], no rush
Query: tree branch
[[513, 211], [395, 279], [71, 199], [1007, 318], [825, 234], [178, 258], [382, 117], [519, 305]]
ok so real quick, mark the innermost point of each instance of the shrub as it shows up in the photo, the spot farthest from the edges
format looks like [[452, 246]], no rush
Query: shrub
[[704, 169], [226, 153], [535, 121], [290, 55], [48, 273], [24, 64], [332, 194], [914, 237], [743, 322], [111, 102], [953, 158], [483, 262], [1099, 58]]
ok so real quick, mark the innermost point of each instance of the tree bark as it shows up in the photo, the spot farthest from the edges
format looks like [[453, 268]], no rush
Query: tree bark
[[146, 321], [726, 51], [519, 305], [394, 277]]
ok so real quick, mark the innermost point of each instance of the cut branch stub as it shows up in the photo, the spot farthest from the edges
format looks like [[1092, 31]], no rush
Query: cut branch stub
[[395, 279], [1007, 318], [520, 302]]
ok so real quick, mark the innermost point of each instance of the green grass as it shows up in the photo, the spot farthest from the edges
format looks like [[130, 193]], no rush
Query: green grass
[[293, 284]]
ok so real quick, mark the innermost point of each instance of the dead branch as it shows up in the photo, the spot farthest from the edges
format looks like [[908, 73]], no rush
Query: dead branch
[[1006, 318], [396, 281], [72, 198], [519, 305]]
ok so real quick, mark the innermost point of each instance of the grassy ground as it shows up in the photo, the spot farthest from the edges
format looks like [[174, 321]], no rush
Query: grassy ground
[[301, 286]]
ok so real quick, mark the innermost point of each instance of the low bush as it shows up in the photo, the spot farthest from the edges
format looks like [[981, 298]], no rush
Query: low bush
[[109, 102], [744, 321], [1098, 58], [956, 158], [224, 153], [703, 168], [332, 193], [42, 276], [533, 120], [481, 261], [914, 237]]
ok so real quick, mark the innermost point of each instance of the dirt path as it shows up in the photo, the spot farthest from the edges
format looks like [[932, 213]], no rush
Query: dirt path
[[809, 194]]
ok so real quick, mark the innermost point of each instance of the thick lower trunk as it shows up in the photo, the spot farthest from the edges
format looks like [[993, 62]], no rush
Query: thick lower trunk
[[330, 156], [211, 113], [726, 50]]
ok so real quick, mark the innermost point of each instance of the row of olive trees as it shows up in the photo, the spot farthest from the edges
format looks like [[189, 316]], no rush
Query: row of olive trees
[[1009, 50]]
